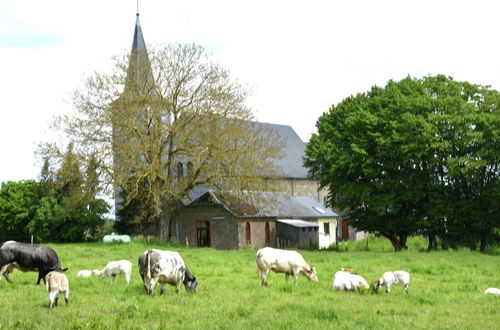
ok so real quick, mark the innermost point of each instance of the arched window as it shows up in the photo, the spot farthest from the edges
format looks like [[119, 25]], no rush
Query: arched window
[[180, 170], [248, 233], [190, 170], [268, 234]]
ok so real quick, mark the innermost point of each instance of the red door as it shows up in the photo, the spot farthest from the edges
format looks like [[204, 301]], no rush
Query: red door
[[345, 230]]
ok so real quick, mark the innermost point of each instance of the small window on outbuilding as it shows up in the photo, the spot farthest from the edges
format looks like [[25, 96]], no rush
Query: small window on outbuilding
[[326, 228], [248, 233], [268, 233]]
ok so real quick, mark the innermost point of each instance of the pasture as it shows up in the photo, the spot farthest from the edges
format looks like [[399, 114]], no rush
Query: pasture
[[446, 292]]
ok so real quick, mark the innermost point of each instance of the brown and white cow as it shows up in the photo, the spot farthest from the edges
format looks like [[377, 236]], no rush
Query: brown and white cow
[[283, 261]]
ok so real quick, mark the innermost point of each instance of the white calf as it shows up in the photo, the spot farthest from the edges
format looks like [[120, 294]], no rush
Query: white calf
[[114, 268], [88, 273], [492, 291], [55, 283], [283, 261], [345, 280], [390, 278]]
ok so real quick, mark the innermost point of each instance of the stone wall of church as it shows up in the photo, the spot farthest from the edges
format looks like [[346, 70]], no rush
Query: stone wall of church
[[302, 188]]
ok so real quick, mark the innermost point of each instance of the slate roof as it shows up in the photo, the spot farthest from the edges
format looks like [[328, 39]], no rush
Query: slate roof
[[291, 165], [267, 204], [138, 41]]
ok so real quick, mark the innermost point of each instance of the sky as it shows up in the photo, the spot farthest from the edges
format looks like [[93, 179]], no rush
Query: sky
[[297, 57]]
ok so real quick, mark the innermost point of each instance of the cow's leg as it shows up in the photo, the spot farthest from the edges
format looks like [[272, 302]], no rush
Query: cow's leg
[[406, 288], [151, 285], [127, 277], [388, 288], [295, 275], [3, 271], [178, 286], [66, 296], [57, 298], [112, 278], [52, 296], [286, 277], [162, 288], [40, 276], [263, 276]]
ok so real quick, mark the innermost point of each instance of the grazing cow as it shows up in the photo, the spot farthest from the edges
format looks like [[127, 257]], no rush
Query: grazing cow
[[55, 283], [165, 267], [88, 273], [345, 280], [492, 291], [114, 268], [282, 261], [28, 257], [390, 278]]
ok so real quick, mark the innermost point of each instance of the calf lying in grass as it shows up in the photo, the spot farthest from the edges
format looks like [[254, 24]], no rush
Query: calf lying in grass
[[55, 283], [88, 273], [345, 280], [492, 291], [390, 278]]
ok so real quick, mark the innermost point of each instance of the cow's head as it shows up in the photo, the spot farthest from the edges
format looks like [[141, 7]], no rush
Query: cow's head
[[311, 274], [376, 285], [190, 282]]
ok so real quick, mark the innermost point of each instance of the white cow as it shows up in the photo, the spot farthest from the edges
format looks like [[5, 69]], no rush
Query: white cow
[[165, 267], [492, 291], [114, 268], [88, 273], [345, 280], [390, 278], [283, 261], [55, 283]]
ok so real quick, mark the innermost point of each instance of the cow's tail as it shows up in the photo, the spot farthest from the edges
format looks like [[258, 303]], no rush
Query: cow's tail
[[148, 264], [47, 282]]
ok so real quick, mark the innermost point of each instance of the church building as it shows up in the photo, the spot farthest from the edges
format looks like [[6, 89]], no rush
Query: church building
[[295, 217]]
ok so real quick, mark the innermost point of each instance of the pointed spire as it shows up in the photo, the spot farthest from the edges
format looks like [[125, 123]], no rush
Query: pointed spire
[[138, 41]]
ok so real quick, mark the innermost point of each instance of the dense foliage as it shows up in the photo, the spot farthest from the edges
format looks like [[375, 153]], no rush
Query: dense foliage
[[416, 156], [62, 206]]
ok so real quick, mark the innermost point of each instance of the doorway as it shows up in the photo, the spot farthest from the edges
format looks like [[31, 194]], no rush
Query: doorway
[[203, 234]]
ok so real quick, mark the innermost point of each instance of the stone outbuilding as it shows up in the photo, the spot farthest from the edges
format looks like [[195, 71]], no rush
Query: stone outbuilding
[[214, 221]]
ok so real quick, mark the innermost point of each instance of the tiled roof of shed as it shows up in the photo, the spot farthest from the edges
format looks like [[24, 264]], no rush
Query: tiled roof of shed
[[267, 204]]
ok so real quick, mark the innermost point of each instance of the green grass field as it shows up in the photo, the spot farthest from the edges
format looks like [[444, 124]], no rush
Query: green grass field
[[446, 292]]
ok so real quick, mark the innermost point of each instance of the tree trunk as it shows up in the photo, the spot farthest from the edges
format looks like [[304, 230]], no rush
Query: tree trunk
[[432, 246], [472, 243], [402, 241], [484, 244], [394, 241], [444, 242]]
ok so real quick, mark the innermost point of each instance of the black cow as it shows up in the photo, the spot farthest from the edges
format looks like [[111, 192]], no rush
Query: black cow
[[29, 258]]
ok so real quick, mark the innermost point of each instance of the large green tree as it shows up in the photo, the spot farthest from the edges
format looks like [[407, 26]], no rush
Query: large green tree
[[416, 156], [19, 203]]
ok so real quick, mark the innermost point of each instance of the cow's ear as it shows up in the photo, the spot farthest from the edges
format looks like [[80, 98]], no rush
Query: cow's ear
[[313, 269]]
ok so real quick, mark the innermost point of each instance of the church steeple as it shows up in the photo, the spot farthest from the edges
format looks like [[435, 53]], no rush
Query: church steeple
[[138, 43], [139, 67]]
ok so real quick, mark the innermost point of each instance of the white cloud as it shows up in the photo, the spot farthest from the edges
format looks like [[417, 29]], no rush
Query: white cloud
[[299, 57]]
